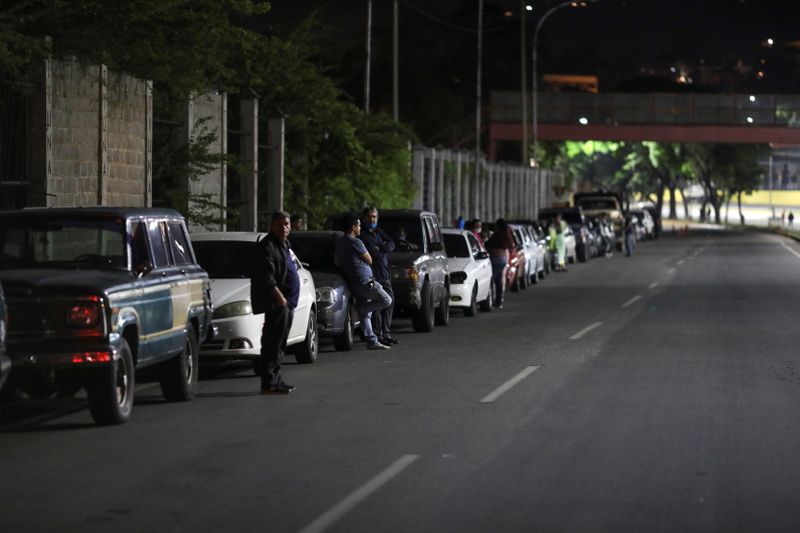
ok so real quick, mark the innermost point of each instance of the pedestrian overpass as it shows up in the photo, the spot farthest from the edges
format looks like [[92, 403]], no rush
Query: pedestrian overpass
[[665, 117]]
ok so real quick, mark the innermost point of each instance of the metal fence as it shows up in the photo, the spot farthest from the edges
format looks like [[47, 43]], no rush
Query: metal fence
[[448, 183]]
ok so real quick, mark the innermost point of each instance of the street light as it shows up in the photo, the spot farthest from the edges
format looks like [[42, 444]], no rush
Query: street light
[[534, 54]]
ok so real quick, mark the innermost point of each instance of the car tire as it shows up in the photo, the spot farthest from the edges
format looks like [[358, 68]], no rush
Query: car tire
[[422, 321], [524, 281], [178, 376], [515, 285], [442, 315], [258, 368], [344, 342], [535, 278], [472, 309], [306, 352], [110, 389], [582, 255], [486, 305]]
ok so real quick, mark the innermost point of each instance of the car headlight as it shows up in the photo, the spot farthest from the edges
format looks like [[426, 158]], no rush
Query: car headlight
[[240, 308], [326, 295], [409, 273], [458, 277]]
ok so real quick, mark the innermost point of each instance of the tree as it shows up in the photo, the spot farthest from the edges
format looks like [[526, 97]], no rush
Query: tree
[[746, 173], [710, 165]]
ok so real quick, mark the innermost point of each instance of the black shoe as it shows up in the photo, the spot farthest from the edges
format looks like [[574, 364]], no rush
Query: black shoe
[[280, 388], [389, 340]]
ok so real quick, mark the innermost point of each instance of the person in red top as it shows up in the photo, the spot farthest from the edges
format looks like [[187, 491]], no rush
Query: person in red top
[[499, 246]]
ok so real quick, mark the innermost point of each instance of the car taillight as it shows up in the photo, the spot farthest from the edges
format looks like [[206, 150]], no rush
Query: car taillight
[[83, 315], [91, 357]]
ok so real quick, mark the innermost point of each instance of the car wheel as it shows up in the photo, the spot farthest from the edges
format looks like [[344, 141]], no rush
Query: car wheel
[[422, 321], [344, 342], [110, 389], [515, 284], [472, 310], [258, 368], [178, 376], [535, 277], [443, 311], [524, 281], [306, 352], [486, 305]]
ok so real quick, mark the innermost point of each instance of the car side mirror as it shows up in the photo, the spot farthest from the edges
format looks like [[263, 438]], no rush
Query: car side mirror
[[305, 265], [479, 256], [436, 247]]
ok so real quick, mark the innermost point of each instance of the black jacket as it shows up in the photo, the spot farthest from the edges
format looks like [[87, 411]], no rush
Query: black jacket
[[267, 271], [378, 244]]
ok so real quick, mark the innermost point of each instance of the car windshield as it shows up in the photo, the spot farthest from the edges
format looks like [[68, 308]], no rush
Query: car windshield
[[224, 259], [456, 245], [598, 204], [317, 252], [63, 242], [407, 232]]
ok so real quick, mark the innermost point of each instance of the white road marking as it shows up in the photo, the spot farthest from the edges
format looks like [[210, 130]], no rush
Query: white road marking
[[681, 261], [671, 271], [632, 300], [505, 387], [653, 285], [336, 512], [585, 330], [796, 254]]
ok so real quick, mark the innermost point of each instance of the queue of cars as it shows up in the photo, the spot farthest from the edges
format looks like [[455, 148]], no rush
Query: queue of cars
[[90, 296]]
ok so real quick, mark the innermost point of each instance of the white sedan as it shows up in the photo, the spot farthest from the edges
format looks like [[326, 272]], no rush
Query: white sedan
[[226, 257], [470, 272]]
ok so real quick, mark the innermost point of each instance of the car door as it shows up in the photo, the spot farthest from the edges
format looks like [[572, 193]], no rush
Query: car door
[[297, 333], [438, 270], [186, 289], [483, 267]]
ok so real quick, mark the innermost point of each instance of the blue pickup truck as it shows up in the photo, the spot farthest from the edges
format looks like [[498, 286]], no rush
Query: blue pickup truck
[[94, 294]]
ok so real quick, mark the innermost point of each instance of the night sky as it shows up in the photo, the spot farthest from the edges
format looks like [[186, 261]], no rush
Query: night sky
[[612, 39]]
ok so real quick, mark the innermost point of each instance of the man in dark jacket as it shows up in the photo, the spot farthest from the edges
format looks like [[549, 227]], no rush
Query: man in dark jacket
[[274, 291], [379, 244]]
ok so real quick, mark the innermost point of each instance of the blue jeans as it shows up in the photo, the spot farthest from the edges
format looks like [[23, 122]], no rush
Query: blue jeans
[[370, 297], [499, 263], [629, 244]]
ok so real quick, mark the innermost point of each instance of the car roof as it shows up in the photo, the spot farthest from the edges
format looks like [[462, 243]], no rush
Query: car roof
[[227, 236], [455, 231], [393, 213], [95, 211], [316, 234]]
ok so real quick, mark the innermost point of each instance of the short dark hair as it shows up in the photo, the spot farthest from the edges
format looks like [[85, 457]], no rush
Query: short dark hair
[[367, 210], [352, 221], [296, 217], [279, 215]]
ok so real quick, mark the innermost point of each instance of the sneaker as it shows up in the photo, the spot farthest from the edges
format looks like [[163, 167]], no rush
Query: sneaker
[[389, 341], [280, 388], [377, 346]]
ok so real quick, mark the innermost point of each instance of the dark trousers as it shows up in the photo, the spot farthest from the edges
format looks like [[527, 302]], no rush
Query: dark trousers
[[277, 323], [382, 320]]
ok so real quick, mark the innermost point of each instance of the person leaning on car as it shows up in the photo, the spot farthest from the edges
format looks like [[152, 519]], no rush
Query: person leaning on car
[[357, 266], [274, 291], [379, 244]]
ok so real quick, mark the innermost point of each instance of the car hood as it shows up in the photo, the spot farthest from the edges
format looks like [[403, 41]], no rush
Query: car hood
[[224, 291], [406, 259], [458, 264], [47, 280], [327, 279]]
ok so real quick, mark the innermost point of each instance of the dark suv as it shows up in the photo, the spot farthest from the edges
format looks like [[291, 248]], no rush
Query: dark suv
[[420, 279], [95, 293]]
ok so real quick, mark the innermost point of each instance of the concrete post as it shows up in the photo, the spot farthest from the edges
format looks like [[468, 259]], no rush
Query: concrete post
[[277, 142], [223, 171], [440, 185], [418, 175], [466, 190], [248, 184], [39, 152], [148, 146], [430, 180], [457, 187]]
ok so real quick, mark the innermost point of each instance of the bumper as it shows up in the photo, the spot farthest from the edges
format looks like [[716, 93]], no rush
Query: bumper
[[61, 354], [406, 296], [330, 321], [460, 294], [236, 337]]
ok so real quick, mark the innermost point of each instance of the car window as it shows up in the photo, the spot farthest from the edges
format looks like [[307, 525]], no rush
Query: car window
[[406, 232], [179, 245], [225, 259], [456, 246], [140, 254], [474, 245], [156, 231], [318, 252]]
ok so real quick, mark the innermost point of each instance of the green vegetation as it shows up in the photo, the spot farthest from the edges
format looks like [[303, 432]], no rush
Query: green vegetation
[[337, 156]]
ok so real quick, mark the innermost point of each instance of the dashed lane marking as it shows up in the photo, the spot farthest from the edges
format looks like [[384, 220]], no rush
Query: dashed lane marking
[[671, 271], [352, 500], [681, 261], [791, 250], [508, 385], [653, 285], [632, 300], [585, 330]]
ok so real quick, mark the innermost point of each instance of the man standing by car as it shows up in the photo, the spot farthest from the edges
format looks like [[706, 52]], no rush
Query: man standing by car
[[379, 244], [356, 263], [274, 291]]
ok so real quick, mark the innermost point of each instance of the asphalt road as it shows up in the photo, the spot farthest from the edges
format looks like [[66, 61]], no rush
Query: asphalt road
[[656, 393]]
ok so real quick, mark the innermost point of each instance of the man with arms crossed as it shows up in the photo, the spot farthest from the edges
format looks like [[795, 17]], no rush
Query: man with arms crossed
[[357, 266]]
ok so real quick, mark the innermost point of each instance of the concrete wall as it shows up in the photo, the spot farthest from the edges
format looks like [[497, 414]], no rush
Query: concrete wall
[[212, 110], [90, 137]]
